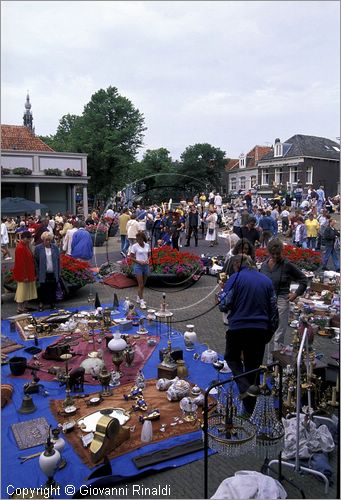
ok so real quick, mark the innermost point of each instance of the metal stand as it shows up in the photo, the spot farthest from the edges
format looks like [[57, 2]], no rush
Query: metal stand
[[261, 369], [298, 468]]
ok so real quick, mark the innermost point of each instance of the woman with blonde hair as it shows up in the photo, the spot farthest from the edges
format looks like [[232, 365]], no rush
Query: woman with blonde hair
[[48, 270]]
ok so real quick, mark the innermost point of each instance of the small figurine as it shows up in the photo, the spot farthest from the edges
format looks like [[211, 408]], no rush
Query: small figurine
[[167, 358], [152, 415], [140, 380], [140, 405], [131, 313], [135, 393]]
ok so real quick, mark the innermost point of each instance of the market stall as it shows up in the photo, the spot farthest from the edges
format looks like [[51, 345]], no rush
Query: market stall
[[43, 395]]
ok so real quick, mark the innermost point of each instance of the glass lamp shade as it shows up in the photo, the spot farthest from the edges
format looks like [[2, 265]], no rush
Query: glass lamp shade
[[49, 461], [117, 343]]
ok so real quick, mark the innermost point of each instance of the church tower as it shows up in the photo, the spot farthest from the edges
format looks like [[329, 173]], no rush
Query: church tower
[[28, 117]]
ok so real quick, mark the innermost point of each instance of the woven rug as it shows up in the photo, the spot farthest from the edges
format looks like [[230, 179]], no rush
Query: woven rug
[[142, 353], [154, 399], [119, 280], [9, 345], [30, 433]]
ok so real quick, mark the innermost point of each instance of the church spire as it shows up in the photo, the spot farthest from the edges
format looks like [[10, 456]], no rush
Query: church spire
[[28, 117]]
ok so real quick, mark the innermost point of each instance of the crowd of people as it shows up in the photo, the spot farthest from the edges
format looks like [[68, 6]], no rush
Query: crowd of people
[[251, 300]]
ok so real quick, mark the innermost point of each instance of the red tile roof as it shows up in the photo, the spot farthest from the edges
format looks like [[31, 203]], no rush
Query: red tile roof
[[256, 154], [232, 164], [18, 137]]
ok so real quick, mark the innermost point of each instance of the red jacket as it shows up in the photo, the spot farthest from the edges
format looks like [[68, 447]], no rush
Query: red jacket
[[24, 268]]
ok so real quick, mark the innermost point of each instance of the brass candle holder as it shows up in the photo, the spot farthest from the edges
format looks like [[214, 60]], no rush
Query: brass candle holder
[[104, 378], [68, 401]]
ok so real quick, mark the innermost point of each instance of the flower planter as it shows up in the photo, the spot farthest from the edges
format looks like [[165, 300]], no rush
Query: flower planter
[[70, 289], [10, 287], [98, 239], [165, 279]]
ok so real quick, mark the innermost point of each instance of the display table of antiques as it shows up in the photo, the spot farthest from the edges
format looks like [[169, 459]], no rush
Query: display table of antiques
[[83, 388]]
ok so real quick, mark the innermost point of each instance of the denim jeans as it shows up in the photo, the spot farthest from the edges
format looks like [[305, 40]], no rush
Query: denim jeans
[[311, 242], [330, 251], [124, 243]]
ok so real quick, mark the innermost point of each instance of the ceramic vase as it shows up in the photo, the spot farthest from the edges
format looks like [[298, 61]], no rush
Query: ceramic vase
[[190, 338]]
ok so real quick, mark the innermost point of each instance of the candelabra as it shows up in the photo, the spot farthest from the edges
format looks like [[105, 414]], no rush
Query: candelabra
[[164, 317], [269, 429], [229, 434]]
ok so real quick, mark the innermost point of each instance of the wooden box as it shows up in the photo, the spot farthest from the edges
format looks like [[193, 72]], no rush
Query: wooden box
[[166, 371]]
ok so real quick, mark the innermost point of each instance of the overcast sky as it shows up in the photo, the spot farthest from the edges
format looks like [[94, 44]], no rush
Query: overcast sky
[[230, 73]]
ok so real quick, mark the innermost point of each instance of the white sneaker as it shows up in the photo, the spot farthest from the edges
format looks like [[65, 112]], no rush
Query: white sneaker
[[8, 258], [143, 304], [138, 300]]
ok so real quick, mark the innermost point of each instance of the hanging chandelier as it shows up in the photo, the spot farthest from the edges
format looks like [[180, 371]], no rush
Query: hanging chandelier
[[269, 429]]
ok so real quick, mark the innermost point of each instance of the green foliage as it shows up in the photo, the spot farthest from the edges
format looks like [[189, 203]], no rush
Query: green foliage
[[204, 164], [53, 171], [156, 176], [22, 171], [67, 135], [110, 130], [72, 172]]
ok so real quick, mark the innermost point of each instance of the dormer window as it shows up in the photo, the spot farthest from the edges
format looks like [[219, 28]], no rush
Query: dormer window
[[242, 161], [278, 151]]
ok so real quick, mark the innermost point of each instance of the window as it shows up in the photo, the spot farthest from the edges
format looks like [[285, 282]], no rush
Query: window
[[233, 184], [265, 176], [242, 162], [253, 180], [327, 147], [293, 175], [278, 149], [278, 175], [309, 176], [242, 182], [336, 149]]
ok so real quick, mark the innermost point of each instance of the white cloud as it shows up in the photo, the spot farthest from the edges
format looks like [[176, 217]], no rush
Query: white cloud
[[226, 72]]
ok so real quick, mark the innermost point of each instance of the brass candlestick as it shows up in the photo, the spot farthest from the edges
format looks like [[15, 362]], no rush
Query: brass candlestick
[[104, 377], [92, 323], [117, 358], [68, 401]]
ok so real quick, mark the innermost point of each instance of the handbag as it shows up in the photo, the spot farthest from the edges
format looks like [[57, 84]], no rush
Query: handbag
[[210, 230], [226, 301]]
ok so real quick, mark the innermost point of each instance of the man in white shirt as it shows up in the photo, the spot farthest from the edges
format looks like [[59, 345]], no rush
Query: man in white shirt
[[285, 220], [110, 213], [4, 240], [321, 198], [67, 241]]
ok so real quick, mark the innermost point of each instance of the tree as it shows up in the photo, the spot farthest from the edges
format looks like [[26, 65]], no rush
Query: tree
[[65, 139], [157, 174], [110, 130], [204, 165]]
